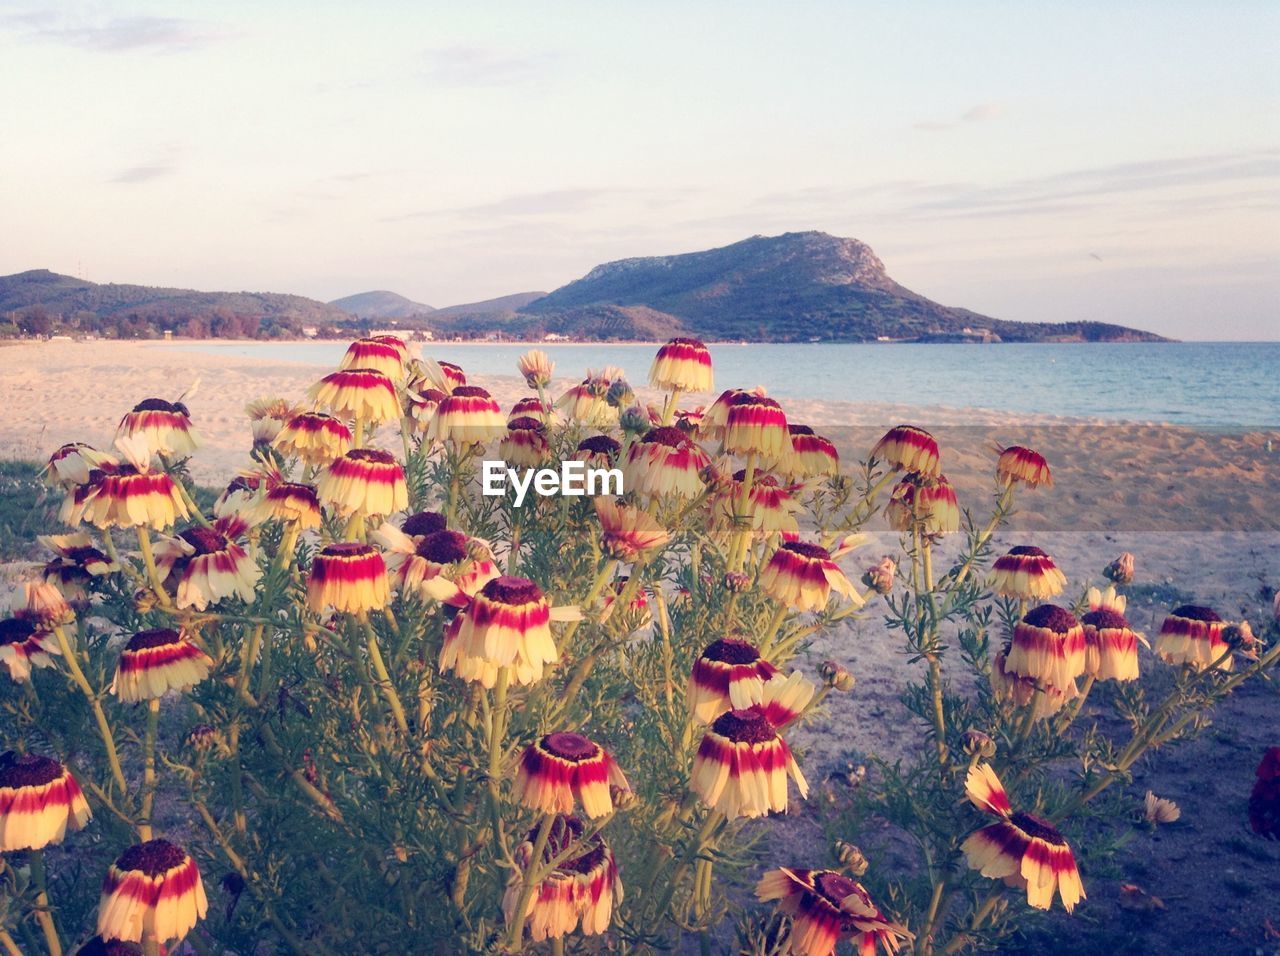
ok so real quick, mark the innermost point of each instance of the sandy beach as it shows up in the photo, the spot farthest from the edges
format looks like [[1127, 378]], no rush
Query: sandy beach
[[1199, 508]]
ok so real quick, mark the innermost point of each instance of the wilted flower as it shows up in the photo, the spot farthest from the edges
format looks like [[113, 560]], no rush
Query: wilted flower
[[1027, 573], [209, 564], [626, 532], [851, 858], [536, 367], [926, 500], [23, 646], [39, 802], [907, 448], [1193, 635], [1120, 570], [1023, 465], [153, 887], [580, 889], [44, 605], [267, 416], [1022, 849], [978, 744], [157, 661], [826, 907], [881, 577], [682, 365], [72, 463], [836, 676], [1157, 810], [769, 507], [564, 769]]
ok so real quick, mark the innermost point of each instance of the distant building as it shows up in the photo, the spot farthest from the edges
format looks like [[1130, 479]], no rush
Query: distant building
[[309, 331], [555, 337]]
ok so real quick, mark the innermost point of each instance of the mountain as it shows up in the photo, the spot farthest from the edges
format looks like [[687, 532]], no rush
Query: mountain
[[381, 305], [138, 311], [797, 287], [506, 305]]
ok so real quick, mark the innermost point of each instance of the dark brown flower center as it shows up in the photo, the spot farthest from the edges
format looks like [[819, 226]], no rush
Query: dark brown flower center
[[1051, 618], [807, 550], [1037, 828], [16, 630], [524, 424], [695, 343], [116, 947], [422, 523], [730, 650], [744, 727], [800, 429], [27, 770], [1194, 612], [834, 886], [159, 405], [1105, 617], [569, 746], [373, 455], [600, 445], [159, 637], [450, 367], [85, 555], [512, 590], [204, 540], [346, 549], [153, 858], [470, 391], [667, 435], [443, 547], [1029, 550]]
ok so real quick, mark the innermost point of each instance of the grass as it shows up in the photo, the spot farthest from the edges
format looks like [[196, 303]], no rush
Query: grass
[[26, 509]]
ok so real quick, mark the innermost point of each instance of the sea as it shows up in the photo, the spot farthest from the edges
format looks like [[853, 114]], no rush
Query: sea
[[1210, 384]]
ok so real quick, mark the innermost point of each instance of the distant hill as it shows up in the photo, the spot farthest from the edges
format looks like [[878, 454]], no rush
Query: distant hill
[[381, 305], [138, 311], [506, 305], [797, 287]]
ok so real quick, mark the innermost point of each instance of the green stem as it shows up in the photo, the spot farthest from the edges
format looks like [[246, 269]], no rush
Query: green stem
[[149, 770], [44, 916], [529, 882], [99, 716], [149, 559], [8, 945], [384, 678]]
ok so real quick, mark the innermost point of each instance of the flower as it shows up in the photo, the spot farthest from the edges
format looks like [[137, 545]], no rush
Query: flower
[[1120, 570], [72, 463], [627, 532], [529, 407], [802, 576], [289, 502], [598, 451], [810, 454], [444, 376], [1027, 573], [881, 577], [379, 356], [770, 508], [507, 624], [587, 402], [395, 341], [153, 887], [348, 576], [267, 416], [420, 408], [364, 481], [43, 605], [1022, 849], [1193, 635], [1048, 647], [1018, 464], [836, 676], [157, 661], [907, 448], [423, 522], [414, 559], [209, 563], [165, 427], [580, 889], [525, 443], [1264, 800], [562, 768], [39, 802], [314, 437], [926, 500], [468, 416], [755, 424], [23, 645], [1111, 645], [1157, 810], [97, 946], [728, 675], [826, 907], [126, 495], [1023, 691], [536, 367], [77, 561], [664, 462], [364, 394], [742, 765], [682, 365], [241, 493]]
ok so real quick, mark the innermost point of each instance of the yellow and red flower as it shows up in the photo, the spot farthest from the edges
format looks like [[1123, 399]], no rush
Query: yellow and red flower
[[378, 355], [39, 802], [1024, 850], [1110, 643], [579, 891], [811, 455], [1025, 691], [1019, 465], [364, 481], [72, 463], [1028, 573], [754, 424], [1048, 647], [801, 576], [587, 402], [361, 393], [267, 416], [742, 766], [626, 532], [825, 907], [926, 500], [209, 564], [395, 341], [420, 408], [536, 368], [1193, 635], [682, 365], [165, 427], [126, 495], [728, 675], [157, 661], [664, 462], [314, 437], [529, 407], [415, 559], [348, 576], [468, 416], [770, 506], [288, 502], [23, 645], [506, 624], [907, 448], [598, 451], [562, 769], [153, 888], [525, 443]]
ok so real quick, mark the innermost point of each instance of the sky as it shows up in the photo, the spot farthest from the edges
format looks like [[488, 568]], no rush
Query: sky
[[1035, 161]]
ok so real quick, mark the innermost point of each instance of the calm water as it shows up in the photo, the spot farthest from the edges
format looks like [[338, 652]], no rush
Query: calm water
[[1194, 383]]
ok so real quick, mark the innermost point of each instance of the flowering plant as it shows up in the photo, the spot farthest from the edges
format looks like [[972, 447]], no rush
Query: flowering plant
[[391, 712]]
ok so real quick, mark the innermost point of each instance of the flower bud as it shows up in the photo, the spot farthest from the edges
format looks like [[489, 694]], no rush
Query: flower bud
[[536, 368], [736, 582], [624, 798], [1120, 570], [634, 420], [144, 601], [880, 577], [851, 858], [837, 676], [980, 745], [620, 394], [201, 737]]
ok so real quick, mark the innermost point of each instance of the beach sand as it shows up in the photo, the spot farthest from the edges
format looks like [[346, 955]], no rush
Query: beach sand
[[1199, 508]]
